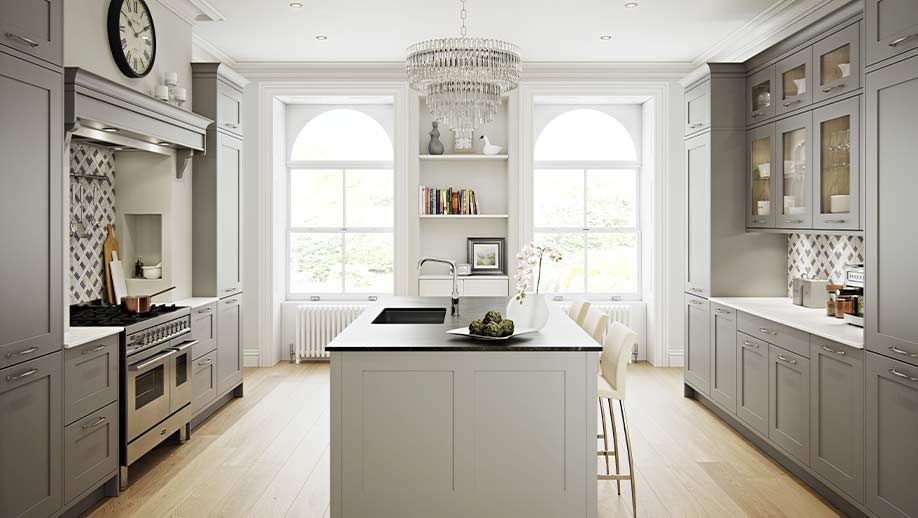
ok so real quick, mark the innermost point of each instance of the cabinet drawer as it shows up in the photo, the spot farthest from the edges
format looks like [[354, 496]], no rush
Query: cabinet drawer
[[34, 27], [204, 381], [698, 108], [204, 329], [485, 287], [90, 451], [793, 340], [90, 377], [229, 108]]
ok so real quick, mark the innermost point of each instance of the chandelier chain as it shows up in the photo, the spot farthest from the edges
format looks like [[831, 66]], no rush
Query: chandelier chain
[[464, 14]]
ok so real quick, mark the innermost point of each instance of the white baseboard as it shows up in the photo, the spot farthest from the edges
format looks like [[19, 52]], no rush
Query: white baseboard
[[676, 359], [250, 358]]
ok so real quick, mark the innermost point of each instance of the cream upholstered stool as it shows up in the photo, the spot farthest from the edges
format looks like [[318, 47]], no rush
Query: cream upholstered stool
[[578, 311], [613, 364], [595, 324]]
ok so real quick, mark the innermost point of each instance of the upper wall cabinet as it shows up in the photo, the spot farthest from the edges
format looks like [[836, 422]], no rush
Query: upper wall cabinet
[[34, 27], [892, 28], [838, 64], [698, 108], [795, 83], [760, 89], [836, 165], [794, 160], [218, 93], [760, 186]]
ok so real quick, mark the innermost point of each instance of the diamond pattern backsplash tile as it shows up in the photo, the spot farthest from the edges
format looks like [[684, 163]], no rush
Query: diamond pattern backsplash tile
[[92, 207], [822, 256]]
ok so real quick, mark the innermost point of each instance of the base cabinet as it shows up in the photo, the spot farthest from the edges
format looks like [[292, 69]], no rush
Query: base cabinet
[[204, 382], [698, 343], [789, 402], [723, 356], [90, 451], [30, 438], [229, 343], [752, 382], [892, 421]]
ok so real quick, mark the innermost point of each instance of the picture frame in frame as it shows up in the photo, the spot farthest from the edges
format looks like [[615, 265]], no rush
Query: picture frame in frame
[[486, 256]]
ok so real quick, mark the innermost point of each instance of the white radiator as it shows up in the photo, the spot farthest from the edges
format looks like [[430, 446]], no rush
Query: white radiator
[[317, 325]]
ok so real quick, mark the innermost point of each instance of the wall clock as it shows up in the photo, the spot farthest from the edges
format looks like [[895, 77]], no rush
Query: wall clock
[[131, 36]]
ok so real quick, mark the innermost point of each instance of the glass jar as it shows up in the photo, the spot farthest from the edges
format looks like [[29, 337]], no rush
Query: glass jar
[[830, 301], [843, 304]]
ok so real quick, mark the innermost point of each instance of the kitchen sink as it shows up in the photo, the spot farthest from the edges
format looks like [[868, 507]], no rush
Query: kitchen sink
[[411, 316]]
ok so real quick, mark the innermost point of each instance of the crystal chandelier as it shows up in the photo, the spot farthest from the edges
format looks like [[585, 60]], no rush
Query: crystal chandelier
[[463, 79]]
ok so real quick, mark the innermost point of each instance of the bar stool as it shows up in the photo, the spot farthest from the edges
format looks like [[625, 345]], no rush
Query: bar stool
[[578, 311], [613, 364], [595, 323]]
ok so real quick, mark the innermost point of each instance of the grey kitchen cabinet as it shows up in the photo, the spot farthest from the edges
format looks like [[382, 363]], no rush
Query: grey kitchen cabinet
[[31, 316], [715, 101], [204, 329], [837, 165], [892, 418], [218, 95], [837, 415], [891, 27], [892, 180], [761, 173], [34, 27], [698, 215], [752, 382], [229, 344], [229, 108], [723, 356], [760, 95], [783, 336], [698, 343], [794, 81], [789, 402], [30, 438], [90, 451], [793, 175], [90, 377], [698, 108], [203, 382], [837, 63]]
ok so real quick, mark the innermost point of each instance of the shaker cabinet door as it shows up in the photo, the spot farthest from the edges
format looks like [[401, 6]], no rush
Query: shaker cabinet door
[[837, 165], [794, 77], [761, 172], [794, 175], [760, 94], [723, 356], [789, 402], [836, 60], [892, 28], [698, 343], [698, 108], [229, 344], [698, 215], [752, 382], [204, 329], [229, 215], [35, 27]]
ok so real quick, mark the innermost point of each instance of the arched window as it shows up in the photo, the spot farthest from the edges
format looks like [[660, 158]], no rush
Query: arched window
[[341, 202], [585, 200]]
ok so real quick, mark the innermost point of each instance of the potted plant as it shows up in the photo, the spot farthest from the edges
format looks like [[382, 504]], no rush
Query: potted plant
[[529, 307]]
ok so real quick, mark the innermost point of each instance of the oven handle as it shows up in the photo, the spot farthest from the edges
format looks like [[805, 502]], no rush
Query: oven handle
[[185, 345], [153, 361]]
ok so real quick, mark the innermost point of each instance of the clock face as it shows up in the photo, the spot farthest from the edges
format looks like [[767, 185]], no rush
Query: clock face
[[132, 37]]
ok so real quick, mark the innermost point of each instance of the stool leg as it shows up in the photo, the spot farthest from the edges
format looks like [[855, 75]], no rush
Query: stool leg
[[605, 436], [618, 470], [621, 405]]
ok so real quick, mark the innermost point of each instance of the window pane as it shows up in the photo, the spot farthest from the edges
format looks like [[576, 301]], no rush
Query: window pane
[[558, 198], [613, 262], [369, 198], [369, 263], [585, 134], [342, 134], [611, 198], [315, 198], [568, 275], [315, 263]]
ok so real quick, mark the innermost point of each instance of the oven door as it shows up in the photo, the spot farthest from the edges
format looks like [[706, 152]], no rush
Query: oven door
[[181, 376], [149, 384]]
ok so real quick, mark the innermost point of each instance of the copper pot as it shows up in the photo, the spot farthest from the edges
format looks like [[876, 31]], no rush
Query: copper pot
[[141, 303]]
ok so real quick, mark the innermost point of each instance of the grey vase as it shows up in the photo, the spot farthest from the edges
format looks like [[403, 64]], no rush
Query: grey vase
[[435, 147]]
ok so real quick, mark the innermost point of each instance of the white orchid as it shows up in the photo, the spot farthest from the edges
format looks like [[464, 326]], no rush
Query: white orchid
[[529, 267]]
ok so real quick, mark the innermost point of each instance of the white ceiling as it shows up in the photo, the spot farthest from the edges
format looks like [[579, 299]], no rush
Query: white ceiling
[[545, 30]]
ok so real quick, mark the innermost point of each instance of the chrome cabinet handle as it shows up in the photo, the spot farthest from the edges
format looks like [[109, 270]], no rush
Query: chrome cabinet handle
[[791, 103], [696, 125], [787, 360], [828, 89], [696, 302], [232, 302], [836, 220], [760, 221], [833, 351], [722, 311], [94, 424], [903, 353], [231, 125], [205, 310], [696, 290], [153, 361], [894, 372], [23, 352], [94, 350], [747, 343], [21, 375], [756, 114], [894, 43], [185, 345], [30, 42], [768, 331], [229, 290], [205, 362], [793, 221]]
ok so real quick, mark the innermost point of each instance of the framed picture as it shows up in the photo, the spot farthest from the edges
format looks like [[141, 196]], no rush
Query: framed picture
[[486, 255]]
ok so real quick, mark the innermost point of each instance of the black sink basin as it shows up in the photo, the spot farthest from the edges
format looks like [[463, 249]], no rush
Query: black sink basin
[[411, 316]]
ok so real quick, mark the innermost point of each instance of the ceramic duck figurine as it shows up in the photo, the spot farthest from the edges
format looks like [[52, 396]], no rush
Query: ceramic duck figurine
[[490, 149]]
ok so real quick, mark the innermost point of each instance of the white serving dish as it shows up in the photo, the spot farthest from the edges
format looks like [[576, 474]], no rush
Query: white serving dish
[[764, 170], [152, 272], [464, 331], [840, 203]]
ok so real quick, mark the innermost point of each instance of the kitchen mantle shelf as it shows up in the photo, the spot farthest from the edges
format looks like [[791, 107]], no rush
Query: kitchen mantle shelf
[[469, 157]]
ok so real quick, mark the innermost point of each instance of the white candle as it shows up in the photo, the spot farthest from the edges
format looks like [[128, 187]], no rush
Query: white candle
[[180, 94], [171, 78], [161, 92]]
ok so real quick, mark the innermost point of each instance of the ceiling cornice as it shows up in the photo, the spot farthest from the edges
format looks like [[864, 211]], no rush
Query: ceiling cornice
[[203, 50], [193, 11]]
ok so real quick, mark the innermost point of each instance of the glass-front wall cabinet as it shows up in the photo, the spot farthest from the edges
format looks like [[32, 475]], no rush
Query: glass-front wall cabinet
[[794, 180], [837, 162], [760, 187], [759, 95], [837, 63], [794, 85]]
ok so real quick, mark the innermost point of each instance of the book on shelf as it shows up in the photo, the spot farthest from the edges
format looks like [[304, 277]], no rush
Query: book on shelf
[[448, 201]]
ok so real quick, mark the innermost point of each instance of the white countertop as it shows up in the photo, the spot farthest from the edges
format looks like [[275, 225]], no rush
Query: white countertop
[[195, 302], [78, 336], [783, 311]]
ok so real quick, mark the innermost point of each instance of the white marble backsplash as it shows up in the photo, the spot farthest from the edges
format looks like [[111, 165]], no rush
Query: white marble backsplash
[[97, 196], [822, 256]]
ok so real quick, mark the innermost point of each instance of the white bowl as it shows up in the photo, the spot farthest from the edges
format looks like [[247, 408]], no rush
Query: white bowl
[[845, 69], [152, 272], [840, 203], [764, 170]]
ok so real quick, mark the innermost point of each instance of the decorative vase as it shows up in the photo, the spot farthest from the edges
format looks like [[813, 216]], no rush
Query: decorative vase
[[531, 313], [435, 147]]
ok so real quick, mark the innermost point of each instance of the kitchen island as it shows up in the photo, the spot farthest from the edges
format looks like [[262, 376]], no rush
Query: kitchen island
[[427, 424]]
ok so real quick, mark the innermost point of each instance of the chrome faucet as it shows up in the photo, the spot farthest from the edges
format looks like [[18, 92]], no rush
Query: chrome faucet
[[452, 270]]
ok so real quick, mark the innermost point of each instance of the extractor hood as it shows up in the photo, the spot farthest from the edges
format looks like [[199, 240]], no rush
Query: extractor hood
[[110, 114]]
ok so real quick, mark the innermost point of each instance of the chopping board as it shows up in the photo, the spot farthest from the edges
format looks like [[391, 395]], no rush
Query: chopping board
[[119, 287], [108, 247]]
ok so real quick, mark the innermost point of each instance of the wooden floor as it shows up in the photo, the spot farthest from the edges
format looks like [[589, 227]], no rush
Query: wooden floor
[[267, 455]]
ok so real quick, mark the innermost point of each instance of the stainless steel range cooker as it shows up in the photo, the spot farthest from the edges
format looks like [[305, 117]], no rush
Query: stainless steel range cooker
[[155, 374]]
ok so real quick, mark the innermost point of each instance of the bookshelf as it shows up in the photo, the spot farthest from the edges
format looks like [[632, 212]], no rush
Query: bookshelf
[[462, 158], [465, 216]]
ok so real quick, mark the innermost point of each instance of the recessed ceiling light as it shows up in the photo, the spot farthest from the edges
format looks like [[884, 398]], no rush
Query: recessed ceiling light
[[606, 37], [296, 5], [118, 148], [631, 5], [321, 37], [110, 130]]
